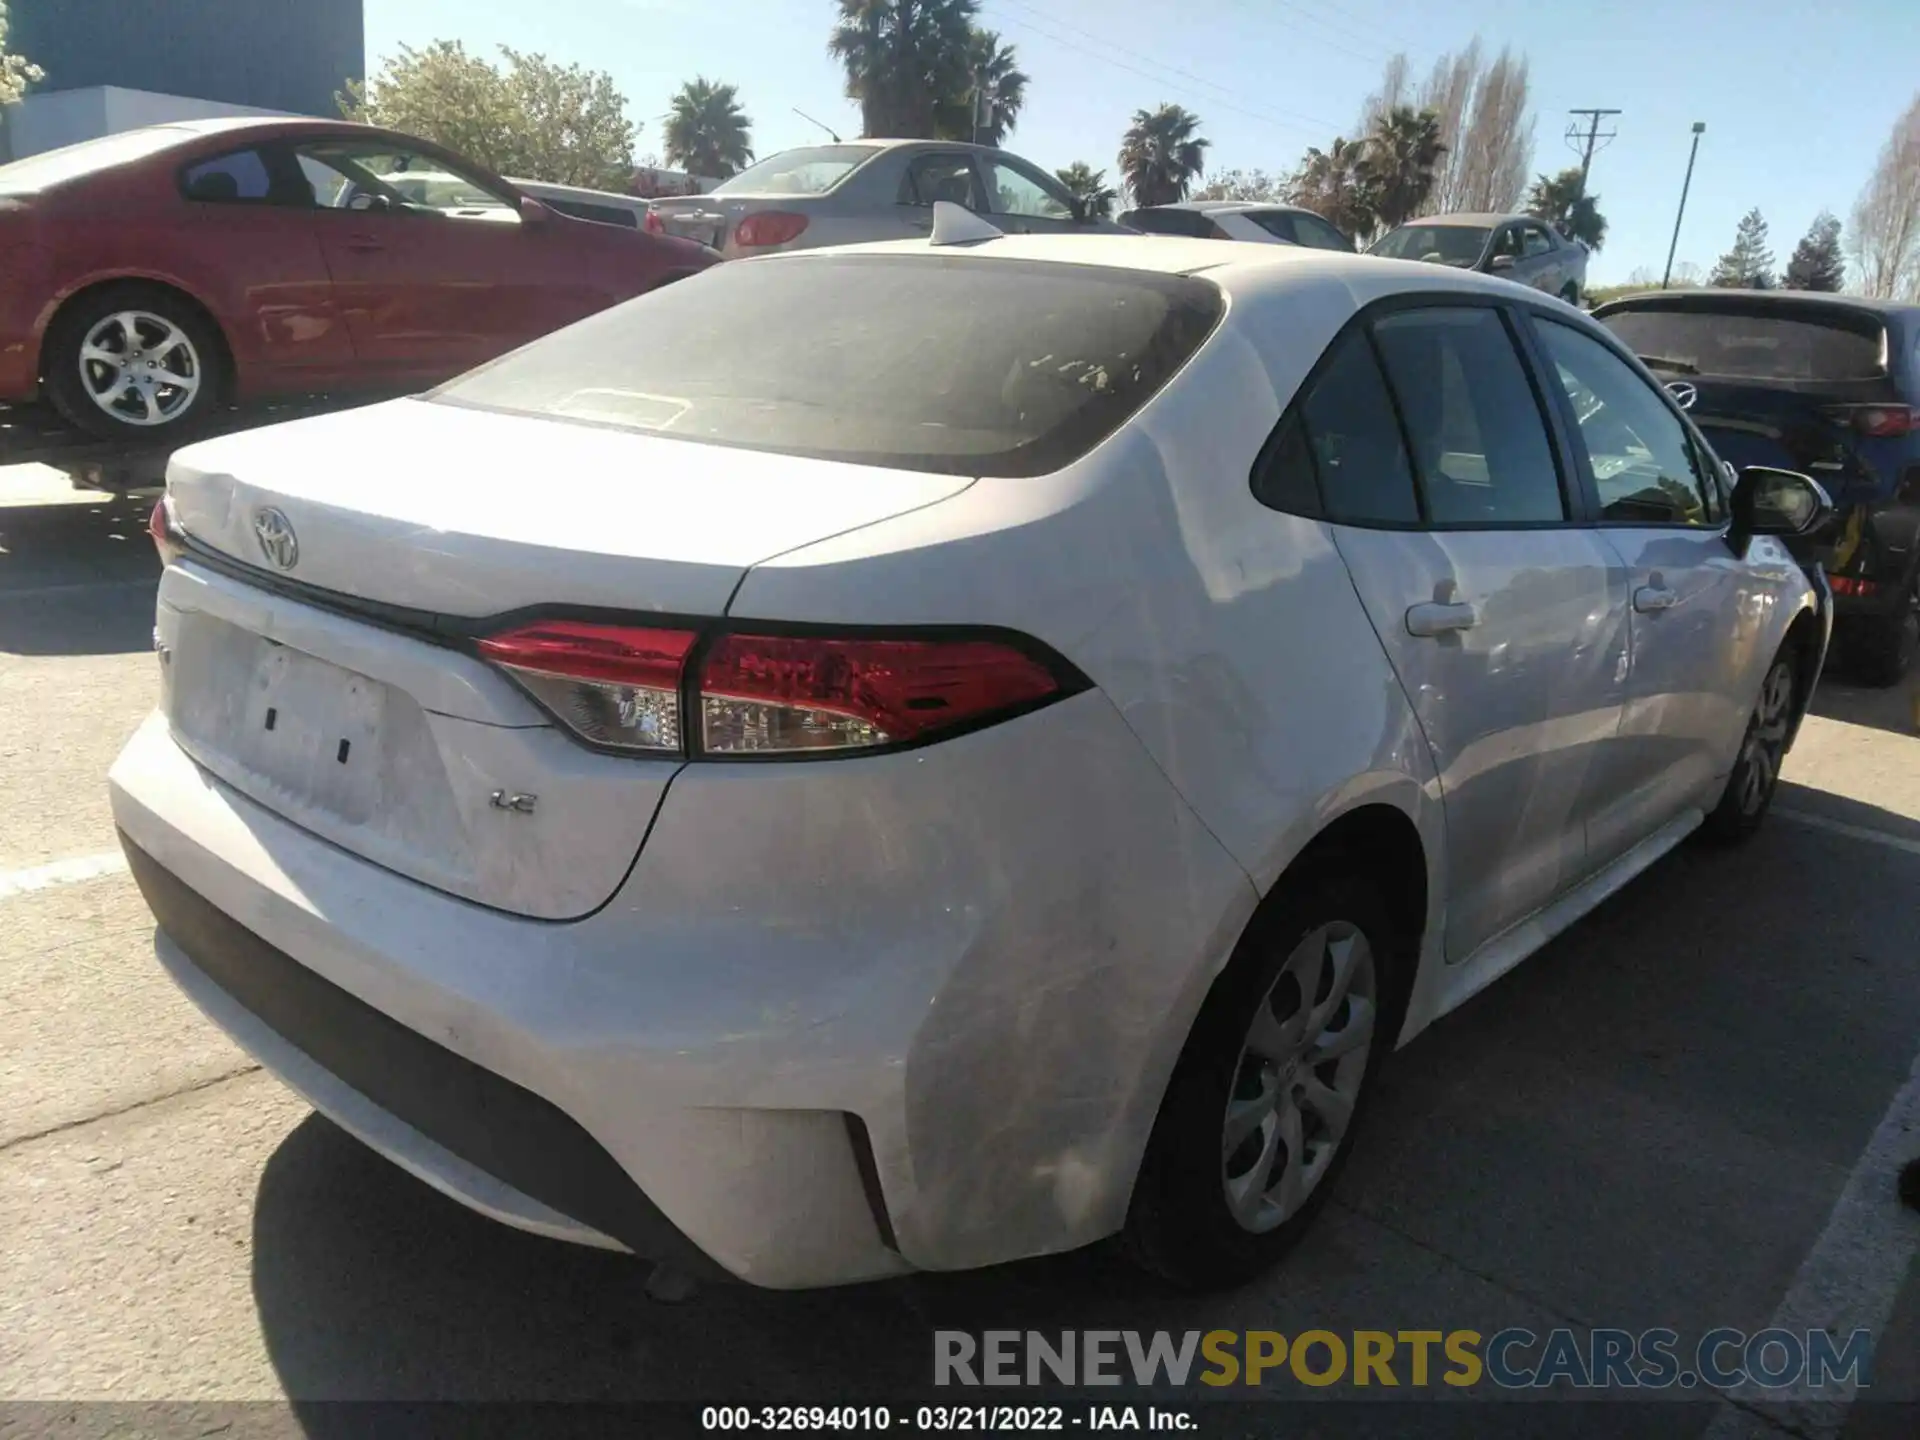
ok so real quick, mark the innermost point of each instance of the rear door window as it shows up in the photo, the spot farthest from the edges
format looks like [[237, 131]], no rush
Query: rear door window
[[1479, 439], [1169, 222], [939, 177], [1277, 223], [1338, 452], [1755, 344], [1312, 230], [953, 364]]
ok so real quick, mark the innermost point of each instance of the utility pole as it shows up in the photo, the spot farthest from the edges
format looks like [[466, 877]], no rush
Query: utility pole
[[982, 107], [1699, 128], [1592, 138]]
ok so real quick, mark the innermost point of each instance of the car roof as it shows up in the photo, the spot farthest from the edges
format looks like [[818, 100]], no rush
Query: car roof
[[1705, 297], [1482, 217], [1239, 267], [1216, 207]]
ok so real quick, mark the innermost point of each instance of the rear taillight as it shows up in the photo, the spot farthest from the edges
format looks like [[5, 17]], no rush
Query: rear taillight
[[654, 224], [768, 227], [166, 535], [612, 685], [626, 687], [1878, 420], [1852, 585]]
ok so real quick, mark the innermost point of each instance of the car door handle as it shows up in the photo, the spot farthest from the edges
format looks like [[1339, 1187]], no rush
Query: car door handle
[[365, 242], [1649, 598], [1437, 618]]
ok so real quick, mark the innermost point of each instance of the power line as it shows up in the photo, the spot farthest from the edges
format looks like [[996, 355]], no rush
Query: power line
[[1299, 122], [1377, 52]]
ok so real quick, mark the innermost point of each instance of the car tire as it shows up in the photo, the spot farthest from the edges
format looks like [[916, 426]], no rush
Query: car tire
[[1882, 647], [1756, 770], [160, 336], [1211, 1209]]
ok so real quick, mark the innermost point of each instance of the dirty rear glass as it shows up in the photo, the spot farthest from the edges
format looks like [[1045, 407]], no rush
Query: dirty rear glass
[[950, 364], [1756, 344]]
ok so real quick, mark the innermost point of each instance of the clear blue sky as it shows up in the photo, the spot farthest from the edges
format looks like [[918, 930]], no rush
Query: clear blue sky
[[1797, 98]]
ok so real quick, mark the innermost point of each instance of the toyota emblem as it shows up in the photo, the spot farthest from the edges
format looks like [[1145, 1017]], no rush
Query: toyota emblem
[[1683, 394], [277, 541]]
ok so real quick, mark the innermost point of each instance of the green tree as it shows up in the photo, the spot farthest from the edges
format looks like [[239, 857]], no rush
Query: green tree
[[994, 82], [1398, 163], [906, 61], [534, 119], [1335, 185], [707, 133], [16, 71], [1749, 264], [1242, 185], [1161, 155], [1562, 201], [1818, 263], [1089, 186]]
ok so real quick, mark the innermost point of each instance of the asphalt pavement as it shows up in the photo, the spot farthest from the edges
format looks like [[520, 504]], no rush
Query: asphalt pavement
[[1677, 1115]]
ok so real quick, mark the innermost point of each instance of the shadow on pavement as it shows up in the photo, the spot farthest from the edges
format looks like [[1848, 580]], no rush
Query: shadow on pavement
[[1840, 697], [1795, 799], [77, 578], [1645, 1125]]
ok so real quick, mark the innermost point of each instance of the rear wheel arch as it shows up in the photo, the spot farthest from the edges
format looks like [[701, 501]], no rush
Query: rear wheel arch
[[69, 303]]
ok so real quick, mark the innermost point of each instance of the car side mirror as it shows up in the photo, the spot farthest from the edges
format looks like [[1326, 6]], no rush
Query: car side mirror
[[1775, 502], [533, 212], [1500, 262]]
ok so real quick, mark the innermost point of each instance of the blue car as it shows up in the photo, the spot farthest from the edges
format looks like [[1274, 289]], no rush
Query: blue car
[[1824, 384]]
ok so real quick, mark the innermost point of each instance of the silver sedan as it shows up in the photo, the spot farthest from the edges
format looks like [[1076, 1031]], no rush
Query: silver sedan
[[864, 190]]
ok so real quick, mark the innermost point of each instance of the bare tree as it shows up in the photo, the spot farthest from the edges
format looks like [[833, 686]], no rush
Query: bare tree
[[1884, 237], [1485, 123]]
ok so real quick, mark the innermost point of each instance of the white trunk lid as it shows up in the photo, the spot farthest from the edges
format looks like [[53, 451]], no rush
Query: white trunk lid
[[409, 752]]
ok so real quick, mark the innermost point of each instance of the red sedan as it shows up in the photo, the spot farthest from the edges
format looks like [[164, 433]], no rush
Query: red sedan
[[147, 277]]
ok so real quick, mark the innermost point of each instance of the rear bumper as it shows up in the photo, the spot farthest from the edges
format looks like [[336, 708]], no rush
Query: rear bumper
[[843, 1020]]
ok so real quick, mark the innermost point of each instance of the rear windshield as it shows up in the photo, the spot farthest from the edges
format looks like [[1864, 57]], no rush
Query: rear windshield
[[1755, 345], [950, 364], [71, 162], [1444, 244], [806, 171], [1169, 222]]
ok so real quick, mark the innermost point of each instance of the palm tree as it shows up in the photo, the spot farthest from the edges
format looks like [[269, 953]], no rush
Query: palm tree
[[904, 59], [991, 67], [1562, 201], [1334, 184], [1399, 163], [707, 133], [1160, 155], [1089, 186]]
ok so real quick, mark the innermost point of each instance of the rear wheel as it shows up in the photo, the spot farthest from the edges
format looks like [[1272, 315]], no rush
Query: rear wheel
[[132, 362], [1756, 773], [1883, 646], [1262, 1108]]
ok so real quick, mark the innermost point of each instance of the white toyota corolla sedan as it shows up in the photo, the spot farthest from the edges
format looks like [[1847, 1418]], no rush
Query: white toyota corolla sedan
[[908, 757]]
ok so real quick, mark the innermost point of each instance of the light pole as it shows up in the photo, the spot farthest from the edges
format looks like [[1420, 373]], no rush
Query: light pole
[[1699, 128]]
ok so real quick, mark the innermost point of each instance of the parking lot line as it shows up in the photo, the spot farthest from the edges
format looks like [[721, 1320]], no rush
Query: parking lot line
[[1852, 832], [1851, 1278], [61, 872]]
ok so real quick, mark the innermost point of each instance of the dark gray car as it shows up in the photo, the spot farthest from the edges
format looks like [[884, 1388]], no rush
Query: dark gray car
[[870, 190], [1517, 247]]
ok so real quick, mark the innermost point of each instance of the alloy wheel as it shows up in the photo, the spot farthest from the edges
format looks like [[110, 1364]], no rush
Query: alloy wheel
[[1299, 1075], [140, 368], [1766, 739]]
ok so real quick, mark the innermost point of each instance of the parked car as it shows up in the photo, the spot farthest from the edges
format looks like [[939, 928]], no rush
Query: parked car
[[154, 274], [606, 206], [976, 747], [869, 190], [1517, 247], [1828, 384], [1237, 220]]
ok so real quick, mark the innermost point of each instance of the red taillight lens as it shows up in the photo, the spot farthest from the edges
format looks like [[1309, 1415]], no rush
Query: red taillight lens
[[620, 686], [654, 224], [1879, 420], [762, 694], [768, 227], [612, 685], [166, 535], [1852, 585]]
